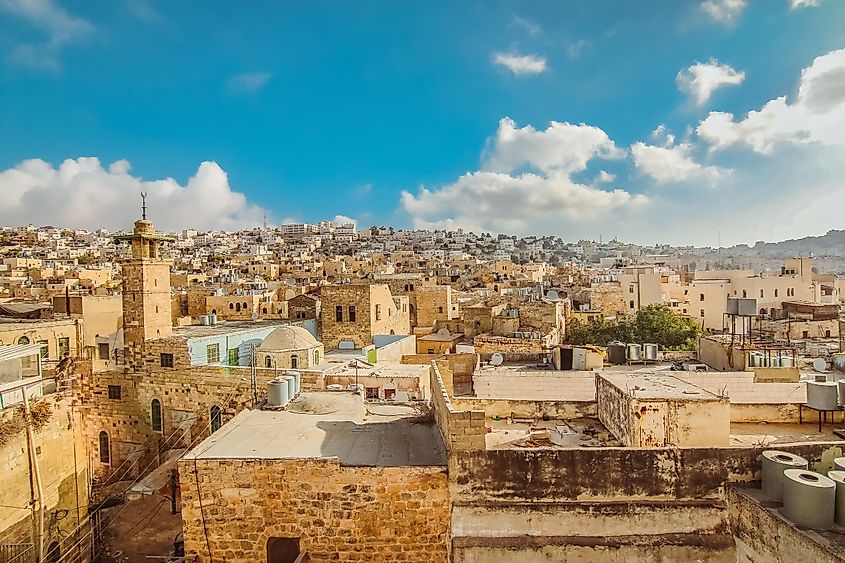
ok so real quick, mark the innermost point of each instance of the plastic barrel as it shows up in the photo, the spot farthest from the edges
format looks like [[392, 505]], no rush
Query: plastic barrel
[[839, 463], [774, 464], [838, 477]]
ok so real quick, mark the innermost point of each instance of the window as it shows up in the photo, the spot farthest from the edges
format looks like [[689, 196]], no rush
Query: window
[[352, 314], [761, 294], [23, 340], [701, 297], [776, 292], [701, 313], [103, 350], [316, 357], [155, 415], [212, 353], [440, 309], [805, 334], [743, 293], [44, 349], [64, 346], [264, 310], [104, 447], [827, 334], [631, 304], [372, 392], [114, 392], [166, 360], [268, 362], [338, 313], [245, 306], [216, 418], [231, 305], [378, 311], [234, 357], [630, 289], [294, 361]]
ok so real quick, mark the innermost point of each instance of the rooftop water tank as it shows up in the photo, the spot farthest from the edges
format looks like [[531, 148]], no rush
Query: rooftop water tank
[[822, 395], [212, 319], [838, 477], [809, 499], [616, 353], [204, 320], [839, 463], [291, 385], [277, 393], [634, 352], [297, 380], [774, 464], [650, 352], [841, 384]]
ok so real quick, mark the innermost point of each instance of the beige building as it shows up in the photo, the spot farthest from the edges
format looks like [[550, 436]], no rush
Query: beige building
[[351, 314], [290, 347]]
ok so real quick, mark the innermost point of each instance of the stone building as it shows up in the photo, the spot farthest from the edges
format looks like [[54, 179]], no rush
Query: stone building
[[289, 347], [351, 314], [305, 306]]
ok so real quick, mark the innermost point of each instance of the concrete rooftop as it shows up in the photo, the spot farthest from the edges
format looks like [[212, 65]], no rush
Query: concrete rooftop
[[329, 424], [653, 386]]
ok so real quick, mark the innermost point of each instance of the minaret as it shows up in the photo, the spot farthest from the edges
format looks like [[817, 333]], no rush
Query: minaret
[[146, 290]]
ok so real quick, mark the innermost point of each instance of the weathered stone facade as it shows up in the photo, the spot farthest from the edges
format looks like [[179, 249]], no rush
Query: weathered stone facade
[[336, 512], [354, 313]]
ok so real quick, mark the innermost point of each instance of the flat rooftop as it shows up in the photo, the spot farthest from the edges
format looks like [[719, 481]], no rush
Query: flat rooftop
[[653, 386], [223, 327], [329, 424]]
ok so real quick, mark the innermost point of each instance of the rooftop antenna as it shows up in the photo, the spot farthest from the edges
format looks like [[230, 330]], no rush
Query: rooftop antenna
[[144, 206], [265, 219]]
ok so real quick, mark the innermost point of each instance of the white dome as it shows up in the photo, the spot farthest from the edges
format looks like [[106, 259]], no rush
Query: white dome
[[288, 338]]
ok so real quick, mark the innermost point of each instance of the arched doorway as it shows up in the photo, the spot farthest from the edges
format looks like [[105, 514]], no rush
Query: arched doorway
[[54, 553], [282, 550], [216, 418]]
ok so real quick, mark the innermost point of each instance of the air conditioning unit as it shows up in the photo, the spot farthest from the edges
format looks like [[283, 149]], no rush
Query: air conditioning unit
[[696, 367]]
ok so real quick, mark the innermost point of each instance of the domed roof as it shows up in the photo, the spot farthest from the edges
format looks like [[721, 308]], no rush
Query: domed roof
[[289, 338]]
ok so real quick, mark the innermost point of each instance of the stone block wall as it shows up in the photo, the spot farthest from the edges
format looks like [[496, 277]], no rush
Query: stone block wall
[[337, 513], [460, 430]]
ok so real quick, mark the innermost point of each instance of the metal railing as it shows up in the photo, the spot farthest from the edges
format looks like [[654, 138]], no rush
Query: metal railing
[[17, 553]]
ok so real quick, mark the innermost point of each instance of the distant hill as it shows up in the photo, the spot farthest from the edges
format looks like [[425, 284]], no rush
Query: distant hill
[[830, 244]]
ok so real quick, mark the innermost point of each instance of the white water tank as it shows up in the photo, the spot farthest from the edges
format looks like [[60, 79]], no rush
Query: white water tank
[[838, 477], [650, 352], [839, 463], [297, 380], [775, 462], [212, 319], [822, 395], [809, 499], [204, 320], [841, 384], [634, 352], [277, 393], [291, 383]]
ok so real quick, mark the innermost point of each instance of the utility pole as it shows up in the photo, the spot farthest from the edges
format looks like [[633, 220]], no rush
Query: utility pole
[[254, 378], [36, 487]]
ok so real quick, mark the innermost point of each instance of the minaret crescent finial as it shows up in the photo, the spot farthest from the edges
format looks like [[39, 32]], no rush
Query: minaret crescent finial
[[144, 205]]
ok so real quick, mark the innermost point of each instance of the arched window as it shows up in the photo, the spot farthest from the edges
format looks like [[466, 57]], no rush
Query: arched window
[[231, 305], [294, 361], [268, 362], [155, 415], [245, 305], [316, 357], [237, 307], [23, 340], [105, 456], [216, 418], [264, 311]]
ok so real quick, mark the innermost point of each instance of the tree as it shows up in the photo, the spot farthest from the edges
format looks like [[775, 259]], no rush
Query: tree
[[653, 323]]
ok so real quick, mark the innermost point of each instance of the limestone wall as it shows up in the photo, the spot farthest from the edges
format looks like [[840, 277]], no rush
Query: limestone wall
[[460, 430], [338, 513]]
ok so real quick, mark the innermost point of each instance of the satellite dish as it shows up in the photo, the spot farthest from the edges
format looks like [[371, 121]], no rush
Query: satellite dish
[[820, 365], [497, 359], [552, 294]]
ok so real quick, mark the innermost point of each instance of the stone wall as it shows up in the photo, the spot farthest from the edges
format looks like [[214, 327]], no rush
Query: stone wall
[[332, 331], [513, 349], [460, 430], [337, 513]]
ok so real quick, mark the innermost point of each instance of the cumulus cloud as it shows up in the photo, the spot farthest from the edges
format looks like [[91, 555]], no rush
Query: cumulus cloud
[[59, 27], [723, 11], [672, 163], [604, 177], [817, 115], [249, 82], [796, 4], [521, 64], [700, 80], [561, 147], [80, 193], [344, 220], [525, 177]]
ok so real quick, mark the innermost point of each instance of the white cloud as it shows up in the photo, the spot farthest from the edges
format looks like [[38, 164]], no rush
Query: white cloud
[[532, 28], [604, 177], [521, 64], [562, 146], [796, 4], [575, 49], [724, 11], [816, 115], [81, 193], [344, 220], [700, 80], [503, 196], [60, 28], [249, 82], [672, 163]]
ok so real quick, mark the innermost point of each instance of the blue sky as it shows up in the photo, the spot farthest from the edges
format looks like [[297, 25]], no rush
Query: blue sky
[[316, 109]]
